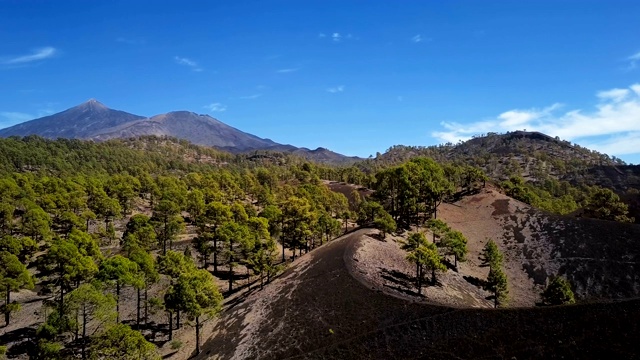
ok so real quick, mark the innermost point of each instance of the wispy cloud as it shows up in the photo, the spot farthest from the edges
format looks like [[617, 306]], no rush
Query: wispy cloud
[[187, 62], [216, 107], [611, 127], [37, 54], [336, 36], [250, 97], [337, 89], [634, 60], [288, 70], [419, 38]]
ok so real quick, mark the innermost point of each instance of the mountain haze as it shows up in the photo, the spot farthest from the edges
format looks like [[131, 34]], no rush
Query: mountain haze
[[94, 121]]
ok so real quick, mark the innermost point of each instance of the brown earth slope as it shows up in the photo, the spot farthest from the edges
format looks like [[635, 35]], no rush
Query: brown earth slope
[[318, 310], [600, 258]]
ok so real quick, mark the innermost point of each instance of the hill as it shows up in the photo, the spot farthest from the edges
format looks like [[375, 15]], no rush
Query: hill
[[94, 121], [318, 309], [531, 154]]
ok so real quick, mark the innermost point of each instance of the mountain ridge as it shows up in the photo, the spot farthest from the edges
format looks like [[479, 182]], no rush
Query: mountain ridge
[[92, 120]]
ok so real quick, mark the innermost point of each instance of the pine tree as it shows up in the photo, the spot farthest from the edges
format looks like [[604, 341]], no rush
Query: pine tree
[[497, 283], [196, 294], [13, 277], [120, 271], [558, 292], [122, 342], [90, 302]]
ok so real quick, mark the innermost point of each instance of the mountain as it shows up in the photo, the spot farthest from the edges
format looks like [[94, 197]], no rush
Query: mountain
[[94, 121], [82, 122], [198, 129]]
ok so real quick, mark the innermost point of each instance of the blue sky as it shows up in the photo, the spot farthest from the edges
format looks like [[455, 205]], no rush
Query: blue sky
[[353, 76]]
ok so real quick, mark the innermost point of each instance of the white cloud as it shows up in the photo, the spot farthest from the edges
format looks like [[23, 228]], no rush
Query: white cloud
[[187, 62], [634, 60], [250, 97], [216, 107], [417, 38], [337, 89], [613, 126], [289, 70], [322, 35], [615, 95], [37, 54], [336, 37]]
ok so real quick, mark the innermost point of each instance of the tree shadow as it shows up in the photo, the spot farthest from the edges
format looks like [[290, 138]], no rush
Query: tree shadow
[[403, 290], [21, 340], [378, 237], [156, 333], [475, 281], [397, 277], [449, 265], [169, 355]]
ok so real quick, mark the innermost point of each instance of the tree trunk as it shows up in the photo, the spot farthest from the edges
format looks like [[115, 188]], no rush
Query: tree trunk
[[177, 319], [261, 280], [76, 332], [6, 305], [84, 331], [231, 273], [248, 281], [117, 301], [138, 310], [433, 276], [197, 335], [146, 303], [419, 280], [283, 258], [215, 255], [495, 299], [170, 325], [164, 237]]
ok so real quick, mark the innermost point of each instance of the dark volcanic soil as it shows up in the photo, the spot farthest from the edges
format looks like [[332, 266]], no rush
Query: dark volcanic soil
[[318, 310]]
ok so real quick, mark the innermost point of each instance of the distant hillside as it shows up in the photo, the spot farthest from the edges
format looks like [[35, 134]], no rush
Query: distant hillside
[[532, 155], [93, 120]]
